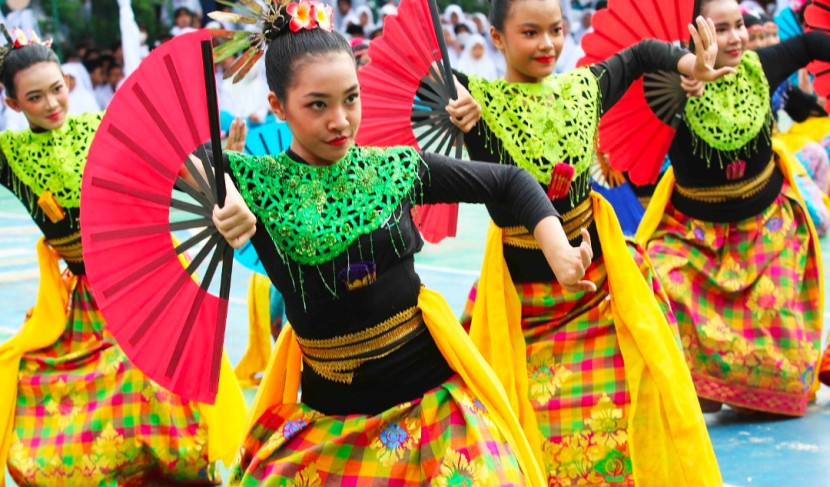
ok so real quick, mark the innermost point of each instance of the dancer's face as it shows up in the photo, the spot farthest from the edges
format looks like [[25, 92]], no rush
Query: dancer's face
[[41, 94], [531, 41], [733, 38], [322, 107]]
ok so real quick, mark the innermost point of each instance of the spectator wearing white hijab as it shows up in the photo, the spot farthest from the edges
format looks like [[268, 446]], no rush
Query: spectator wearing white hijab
[[453, 14], [476, 60], [81, 98], [571, 50], [365, 18]]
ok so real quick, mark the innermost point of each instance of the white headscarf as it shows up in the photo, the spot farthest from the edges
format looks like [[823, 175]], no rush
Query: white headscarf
[[453, 9], [81, 99], [370, 26], [482, 67]]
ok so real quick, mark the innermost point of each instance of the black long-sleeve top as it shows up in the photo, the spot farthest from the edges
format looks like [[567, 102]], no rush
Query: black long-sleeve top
[[614, 76], [690, 170], [417, 367]]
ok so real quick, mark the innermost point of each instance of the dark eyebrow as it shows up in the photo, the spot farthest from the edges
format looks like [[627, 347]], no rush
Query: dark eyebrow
[[314, 94], [36, 91]]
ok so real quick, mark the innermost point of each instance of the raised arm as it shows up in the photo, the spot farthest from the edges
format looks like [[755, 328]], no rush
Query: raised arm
[[446, 180], [782, 60]]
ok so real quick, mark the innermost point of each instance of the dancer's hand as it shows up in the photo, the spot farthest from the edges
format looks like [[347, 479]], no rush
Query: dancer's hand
[[691, 86], [237, 135], [706, 52], [464, 111], [567, 263], [234, 220]]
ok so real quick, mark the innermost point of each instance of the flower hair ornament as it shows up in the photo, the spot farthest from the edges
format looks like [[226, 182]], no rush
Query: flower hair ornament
[[17, 39], [274, 18]]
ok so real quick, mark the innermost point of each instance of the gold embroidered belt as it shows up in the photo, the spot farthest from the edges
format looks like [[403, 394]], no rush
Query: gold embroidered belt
[[581, 216], [337, 358], [69, 248], [741, 190]]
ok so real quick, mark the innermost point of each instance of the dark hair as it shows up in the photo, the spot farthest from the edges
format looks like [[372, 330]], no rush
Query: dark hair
[[113, 66], [21, 58], [355, 30], [499, 10], [287, 48], [182, 10], [461, 26]]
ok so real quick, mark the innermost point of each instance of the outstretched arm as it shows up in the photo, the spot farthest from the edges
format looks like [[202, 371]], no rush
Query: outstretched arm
[[782, 60], [447, 180]]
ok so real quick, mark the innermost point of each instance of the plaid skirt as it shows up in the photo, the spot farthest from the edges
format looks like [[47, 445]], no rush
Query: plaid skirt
[[444, 438], [86, 417], [745, 295], [577, 378]]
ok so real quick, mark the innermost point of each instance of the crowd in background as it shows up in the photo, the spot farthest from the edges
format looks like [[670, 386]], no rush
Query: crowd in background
[[96, 72]]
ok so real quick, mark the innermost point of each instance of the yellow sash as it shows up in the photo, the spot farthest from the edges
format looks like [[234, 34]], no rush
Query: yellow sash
[[668, 440], [256, 356], [282, 378], [786, 163], [46, 323]]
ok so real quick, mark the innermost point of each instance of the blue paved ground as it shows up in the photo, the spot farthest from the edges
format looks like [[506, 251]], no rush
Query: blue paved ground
[[778, 453]]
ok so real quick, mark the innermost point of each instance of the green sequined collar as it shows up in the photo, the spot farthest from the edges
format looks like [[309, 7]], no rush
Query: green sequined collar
[[732, 112], [314, 213], [542, 124], [52, 160]]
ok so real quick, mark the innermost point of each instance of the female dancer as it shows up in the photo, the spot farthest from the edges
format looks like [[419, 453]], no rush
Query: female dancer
[[393, 392], [73, 409], [588, 354], [730, 238]]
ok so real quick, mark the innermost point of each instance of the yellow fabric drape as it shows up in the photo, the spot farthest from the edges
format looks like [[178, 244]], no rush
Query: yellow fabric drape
[[45, 324], [786, 162], [282, 378], [255, 359], [496, 330], [667, 435]]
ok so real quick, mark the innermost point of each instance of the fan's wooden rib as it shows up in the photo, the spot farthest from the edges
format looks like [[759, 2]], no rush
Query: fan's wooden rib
[[203, 253], [192, 241], [213, 263], [209, 172], [145, 230], [430, 91], [624, 24], [436, 106], [459, 144], [822, 6], [184, 334], [197, 195], [158, 308], [441, 87], [139, 272], [161, 123], [136, 148], [439, 133], [666, 32], [265, 144], [222, 313], [189, 207], [431, 130], [643, 20], [447, 140], [183, 103], [203, 184]]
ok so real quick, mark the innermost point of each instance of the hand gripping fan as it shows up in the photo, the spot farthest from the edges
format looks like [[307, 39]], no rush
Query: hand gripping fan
[[637, 132], [168, 324], [817, 19], [404, 90], [270, 138]]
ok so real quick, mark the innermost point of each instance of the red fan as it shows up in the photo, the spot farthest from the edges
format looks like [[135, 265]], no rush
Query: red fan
[[168, 324], [637, 132], [817, 18], [405, 88]]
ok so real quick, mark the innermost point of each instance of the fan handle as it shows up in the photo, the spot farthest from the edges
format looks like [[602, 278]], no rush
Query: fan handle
[[213, 117], [442, 45]]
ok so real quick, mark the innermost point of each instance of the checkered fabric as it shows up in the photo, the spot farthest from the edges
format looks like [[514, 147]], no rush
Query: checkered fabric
[[444, 438], [577, 376], [745, 295], [86, 417]]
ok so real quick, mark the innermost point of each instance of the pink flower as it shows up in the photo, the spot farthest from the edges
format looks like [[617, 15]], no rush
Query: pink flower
[[302, 15], [323, 15]]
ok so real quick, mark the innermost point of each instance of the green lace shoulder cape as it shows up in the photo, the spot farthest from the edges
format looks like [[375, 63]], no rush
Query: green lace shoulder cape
[[53, 160], [314, 213], [542, 124], [732, 113]]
